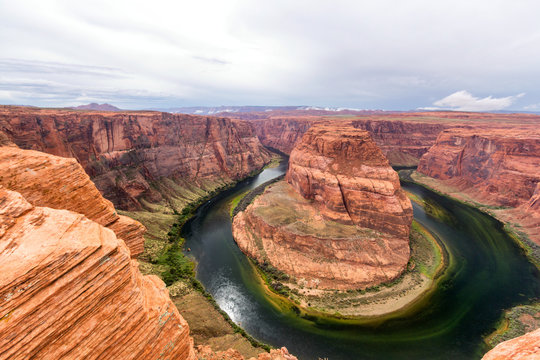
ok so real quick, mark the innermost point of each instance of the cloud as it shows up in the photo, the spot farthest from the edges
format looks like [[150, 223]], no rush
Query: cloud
[[465, 101], [358, 54], [532, 107]]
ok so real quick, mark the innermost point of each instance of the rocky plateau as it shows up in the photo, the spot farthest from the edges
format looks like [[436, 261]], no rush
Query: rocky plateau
[[339, 221]]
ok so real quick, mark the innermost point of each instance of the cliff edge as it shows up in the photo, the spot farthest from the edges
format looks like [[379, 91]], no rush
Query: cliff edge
[[339, 221]]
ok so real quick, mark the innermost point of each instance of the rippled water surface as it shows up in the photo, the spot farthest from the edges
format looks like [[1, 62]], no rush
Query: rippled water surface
[[489, 274]]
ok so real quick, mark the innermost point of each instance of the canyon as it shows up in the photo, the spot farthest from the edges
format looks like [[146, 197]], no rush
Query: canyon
[[403, 143], [140, 158], [495, 169], [71, 287], [340, 219], [151, 165]]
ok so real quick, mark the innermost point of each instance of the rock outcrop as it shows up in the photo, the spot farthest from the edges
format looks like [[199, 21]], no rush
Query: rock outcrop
[[340, 221], [347, 176], [70, 290], [526, 347], [61, 183], [403, 143], [499, 166], [131, 155]]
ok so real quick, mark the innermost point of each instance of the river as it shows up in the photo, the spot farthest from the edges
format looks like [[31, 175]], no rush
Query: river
[[489, 274]]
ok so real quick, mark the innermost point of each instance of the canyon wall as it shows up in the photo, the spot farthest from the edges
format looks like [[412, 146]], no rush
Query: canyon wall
[[526, 347], [132, 155], [70, 290], [500, 166], [339, 221], [402, 142], [61, 183]]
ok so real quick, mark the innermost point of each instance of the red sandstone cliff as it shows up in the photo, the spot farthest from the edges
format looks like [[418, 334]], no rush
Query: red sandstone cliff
[[341, 221], [500, 166], [349, 178], [61, 183], [402, 142], [526, 347], [129, 154], [70, 290]]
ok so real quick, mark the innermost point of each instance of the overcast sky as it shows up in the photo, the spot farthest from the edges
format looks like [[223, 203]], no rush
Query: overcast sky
[[477, 55]]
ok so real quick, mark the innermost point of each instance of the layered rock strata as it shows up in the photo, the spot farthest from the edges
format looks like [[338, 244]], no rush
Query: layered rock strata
[[61, 183], [70, 290], [497, 167], [526, 347], [129, 154], [403, 143], [502, 166], [339, 221]]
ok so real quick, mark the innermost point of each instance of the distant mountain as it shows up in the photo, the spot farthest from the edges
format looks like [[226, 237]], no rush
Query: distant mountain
[[212, 110], [97, 107]]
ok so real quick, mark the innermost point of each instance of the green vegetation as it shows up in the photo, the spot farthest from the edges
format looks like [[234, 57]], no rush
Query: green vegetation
[[248, 198], [172, 259], [236, 200], [517, 321], [428, 261], [173, 266], [529, 247]]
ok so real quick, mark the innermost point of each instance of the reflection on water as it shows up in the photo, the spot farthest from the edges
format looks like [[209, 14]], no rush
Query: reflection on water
[[489, 276], [230, 298]]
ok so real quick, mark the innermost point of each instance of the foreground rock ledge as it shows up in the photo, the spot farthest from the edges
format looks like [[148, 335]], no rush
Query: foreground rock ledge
[[526, 347], [70, 290], [341, 221], [61, 183]]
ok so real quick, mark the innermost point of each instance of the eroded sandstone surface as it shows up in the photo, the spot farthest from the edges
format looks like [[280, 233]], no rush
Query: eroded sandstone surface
[[502, 166], [339, 221], [141, 157], [70, 290], [61, 183], [526, 347], [403, 142], [496, 167]]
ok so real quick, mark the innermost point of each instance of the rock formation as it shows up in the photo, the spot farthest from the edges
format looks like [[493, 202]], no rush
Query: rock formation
[[403, 143], [497, 167], [61, 183], [340, 221], [131, 155], [70, 290], [526, 347], [500, 166]]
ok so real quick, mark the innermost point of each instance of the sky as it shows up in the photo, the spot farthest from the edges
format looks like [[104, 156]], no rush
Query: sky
[[481, 55]]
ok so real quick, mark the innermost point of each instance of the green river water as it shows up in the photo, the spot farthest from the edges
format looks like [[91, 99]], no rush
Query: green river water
[[488, 274]]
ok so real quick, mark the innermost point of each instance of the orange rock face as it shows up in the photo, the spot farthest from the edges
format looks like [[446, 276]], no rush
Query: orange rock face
[[349, 179], [125, 152], [61, 183], [70, 290], [501, 166], [526, 347], [340, 221]]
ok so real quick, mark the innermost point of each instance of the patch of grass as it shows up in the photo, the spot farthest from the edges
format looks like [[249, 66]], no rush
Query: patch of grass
[[235, 201], [515, 322], [249, 197]]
